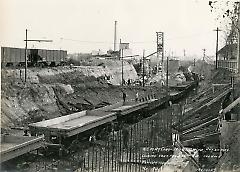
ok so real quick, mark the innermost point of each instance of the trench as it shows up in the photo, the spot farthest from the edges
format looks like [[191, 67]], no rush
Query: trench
[[136, 144], [142, 142]]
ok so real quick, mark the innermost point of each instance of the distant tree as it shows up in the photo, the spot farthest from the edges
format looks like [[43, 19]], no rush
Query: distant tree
[[227, 16]]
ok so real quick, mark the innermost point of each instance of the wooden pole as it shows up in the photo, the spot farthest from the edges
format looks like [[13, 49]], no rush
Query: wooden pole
[[216, 63], [121, 57], [238, 46], [167, 76], [143, 67], [26, 58]]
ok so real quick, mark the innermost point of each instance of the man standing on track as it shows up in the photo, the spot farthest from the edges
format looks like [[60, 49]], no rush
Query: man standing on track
[[136, 97], [124, 97]]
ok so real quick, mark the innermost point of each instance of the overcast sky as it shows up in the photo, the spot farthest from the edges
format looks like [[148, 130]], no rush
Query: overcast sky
[[86, 25]]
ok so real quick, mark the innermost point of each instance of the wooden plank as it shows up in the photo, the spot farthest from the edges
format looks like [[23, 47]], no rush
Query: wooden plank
[[199, 132], [232, 105], [196, 123], [94, 124], [200, 126], [58, 120], [192, 113], [205, 137], [19, 149]]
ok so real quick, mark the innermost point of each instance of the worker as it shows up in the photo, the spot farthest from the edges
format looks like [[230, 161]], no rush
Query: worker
[[20, 73], [92, 139], [124, 96], [136, 96], [129, 82], [25, 133], [125, 134]]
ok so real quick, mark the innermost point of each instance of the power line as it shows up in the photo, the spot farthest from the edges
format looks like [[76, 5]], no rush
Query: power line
[[134, 42]]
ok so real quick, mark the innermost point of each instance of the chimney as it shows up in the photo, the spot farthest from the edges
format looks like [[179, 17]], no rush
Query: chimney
[[115, 35]]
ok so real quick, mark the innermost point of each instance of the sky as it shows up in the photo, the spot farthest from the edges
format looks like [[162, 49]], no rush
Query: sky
[[80, 26]]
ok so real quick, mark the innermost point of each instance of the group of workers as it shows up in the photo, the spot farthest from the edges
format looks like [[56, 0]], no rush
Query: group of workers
[[125, 96], [125, 136]]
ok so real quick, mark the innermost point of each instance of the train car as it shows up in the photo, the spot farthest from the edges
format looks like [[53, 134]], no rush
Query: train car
[[13, 56], [35, 57], [63, 56], [43, 54], [56, 56]]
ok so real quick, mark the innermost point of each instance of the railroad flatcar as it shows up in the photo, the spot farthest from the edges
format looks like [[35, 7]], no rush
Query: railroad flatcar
[[35, 57]]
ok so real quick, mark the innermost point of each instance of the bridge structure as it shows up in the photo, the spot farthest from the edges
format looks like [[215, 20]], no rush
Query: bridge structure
[[199, 122], [67, 126]]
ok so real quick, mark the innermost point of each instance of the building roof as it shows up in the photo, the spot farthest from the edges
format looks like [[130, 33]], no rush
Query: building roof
[[228, 47]]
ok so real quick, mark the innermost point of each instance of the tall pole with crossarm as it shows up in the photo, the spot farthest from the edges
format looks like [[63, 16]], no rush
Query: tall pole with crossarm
[[143, 66], [26, 58], [121, 57], [216, 64], [30, 40], [238, 43]]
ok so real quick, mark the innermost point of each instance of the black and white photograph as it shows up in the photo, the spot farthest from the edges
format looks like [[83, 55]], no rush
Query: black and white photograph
[[120, 85]]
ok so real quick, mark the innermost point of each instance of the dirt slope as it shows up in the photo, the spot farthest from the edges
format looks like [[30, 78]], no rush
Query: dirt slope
[[52, 92]]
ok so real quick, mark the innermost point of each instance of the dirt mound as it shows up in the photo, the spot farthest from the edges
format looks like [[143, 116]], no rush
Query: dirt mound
[[20, 101], [221, 76], [203, 68]]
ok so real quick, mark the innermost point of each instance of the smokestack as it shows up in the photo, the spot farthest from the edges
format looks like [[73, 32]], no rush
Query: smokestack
[[115, 35]]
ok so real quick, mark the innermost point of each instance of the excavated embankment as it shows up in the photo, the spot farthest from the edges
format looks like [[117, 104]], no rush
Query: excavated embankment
[[53, 92]]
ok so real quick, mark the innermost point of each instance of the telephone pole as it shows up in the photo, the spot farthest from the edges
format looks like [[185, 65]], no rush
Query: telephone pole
[[184, 53], [121, 57], [217, 30], [204, 54], [143, 67], [167, 76], [26, 58], [238, 43], [26, 49]]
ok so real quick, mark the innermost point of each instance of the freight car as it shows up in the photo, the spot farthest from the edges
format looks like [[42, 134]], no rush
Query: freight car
[[35, 57]]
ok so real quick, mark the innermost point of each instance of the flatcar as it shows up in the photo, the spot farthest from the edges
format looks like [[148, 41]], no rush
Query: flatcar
[[35, 57]]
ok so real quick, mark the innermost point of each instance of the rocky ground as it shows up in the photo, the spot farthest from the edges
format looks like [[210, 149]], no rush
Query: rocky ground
[[53, 92]]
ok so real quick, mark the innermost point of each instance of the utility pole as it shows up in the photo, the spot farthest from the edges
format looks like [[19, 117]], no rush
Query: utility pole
[[204, 54], [184, 53], [167, 76], [238, 43], [238, 51], [26, 48], [121, 57], [26, 58], [194, 62], [216, 65], [143, 67]]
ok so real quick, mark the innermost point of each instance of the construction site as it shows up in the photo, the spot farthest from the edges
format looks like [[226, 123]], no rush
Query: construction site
[[121, 112]]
